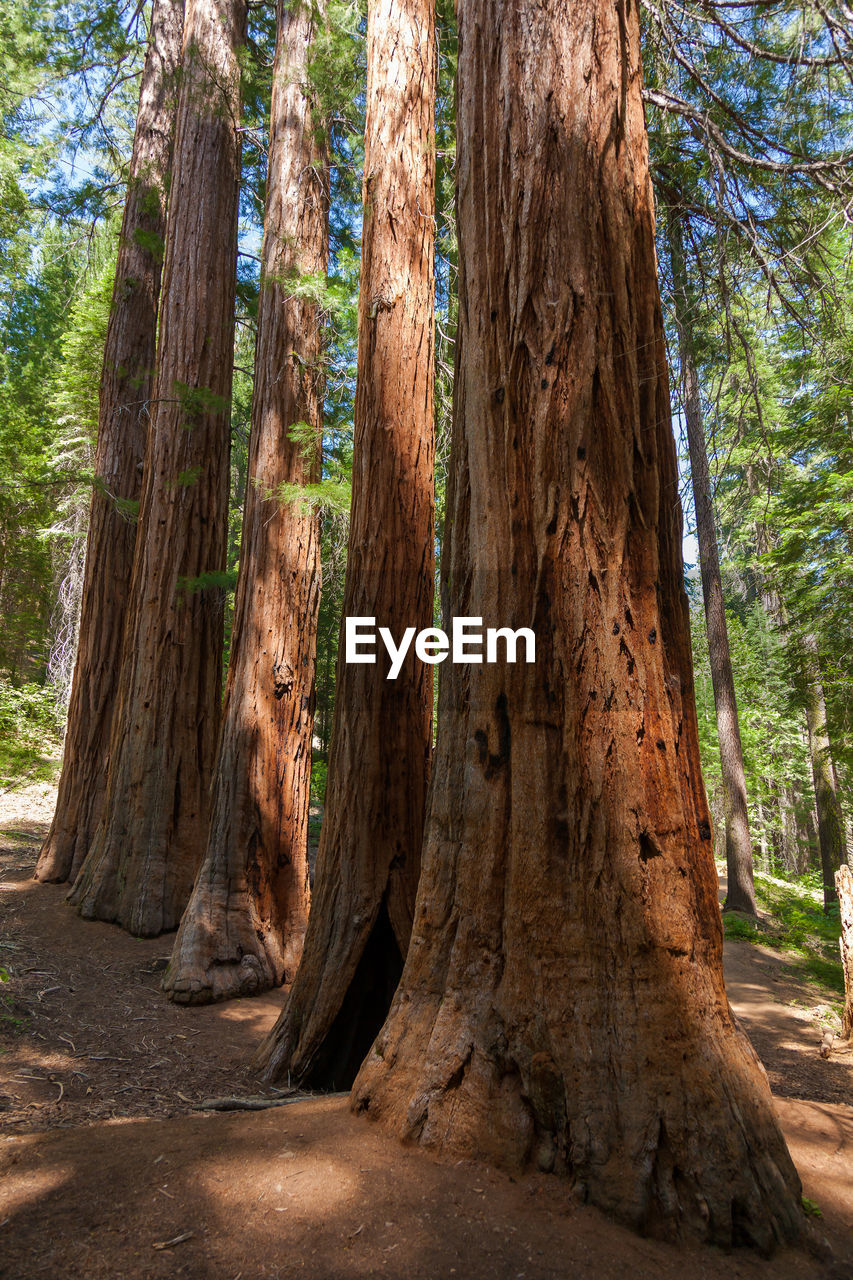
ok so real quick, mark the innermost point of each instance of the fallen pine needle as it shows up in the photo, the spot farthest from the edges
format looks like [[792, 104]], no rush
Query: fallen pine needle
[[169, 1244]]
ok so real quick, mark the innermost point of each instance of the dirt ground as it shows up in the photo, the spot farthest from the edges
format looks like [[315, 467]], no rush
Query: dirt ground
[[106, 1170]]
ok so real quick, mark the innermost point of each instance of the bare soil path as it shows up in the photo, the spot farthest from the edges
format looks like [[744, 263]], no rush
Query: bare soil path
[[103, 1159]]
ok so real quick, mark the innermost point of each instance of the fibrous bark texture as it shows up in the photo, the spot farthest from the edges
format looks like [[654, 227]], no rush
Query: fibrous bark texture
[[149, 845], [244, 927], [125, 406], [369, 856], [740, 892], [830, 819], [562, 1003]]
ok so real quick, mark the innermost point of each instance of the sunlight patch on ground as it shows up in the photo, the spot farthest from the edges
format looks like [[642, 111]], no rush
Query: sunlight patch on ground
[[31, 1186], [34, 802]]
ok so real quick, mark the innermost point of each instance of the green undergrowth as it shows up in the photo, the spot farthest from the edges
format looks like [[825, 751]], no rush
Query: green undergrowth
[[793, 919], [319, 773], [29, 747]]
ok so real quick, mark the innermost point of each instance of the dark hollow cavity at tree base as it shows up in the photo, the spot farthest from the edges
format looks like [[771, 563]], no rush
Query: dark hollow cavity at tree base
[[363, 1011], [334, 1064]]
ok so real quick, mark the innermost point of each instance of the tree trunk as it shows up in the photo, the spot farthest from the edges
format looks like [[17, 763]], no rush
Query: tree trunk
[[562, 1003], [828, 813], [740, 893], [789, 833], [844, 887], [245, 924], [148, 847], [830, 819], [764, 855], [125, 400], [369, 857]]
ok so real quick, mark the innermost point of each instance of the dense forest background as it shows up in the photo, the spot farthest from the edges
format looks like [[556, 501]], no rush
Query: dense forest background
[[748, 109]]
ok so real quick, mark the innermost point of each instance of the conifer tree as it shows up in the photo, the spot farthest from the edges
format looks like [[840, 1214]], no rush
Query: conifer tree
[[140, 869], [125, 409], [562, 1004], [245, 923], [369, 856], [740, 891]]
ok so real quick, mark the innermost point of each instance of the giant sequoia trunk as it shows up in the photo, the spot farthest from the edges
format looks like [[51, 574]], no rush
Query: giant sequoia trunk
[[369, 856], [244, 927], [125, 407], [740, 893], [148, 847], [562, 1003]]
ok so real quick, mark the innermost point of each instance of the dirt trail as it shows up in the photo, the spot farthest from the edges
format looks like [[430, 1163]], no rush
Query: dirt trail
[[785, 1013], [85, 1031], [103, 1157]]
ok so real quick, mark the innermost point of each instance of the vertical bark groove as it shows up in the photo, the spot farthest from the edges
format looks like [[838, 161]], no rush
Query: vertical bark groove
[[562, 1003], [143, 860], [369, 855], [125, 405], [244, 926]]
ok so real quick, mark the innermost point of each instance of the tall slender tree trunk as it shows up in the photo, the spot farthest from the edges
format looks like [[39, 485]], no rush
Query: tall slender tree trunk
[[828, 812], [562, 1003], [844, 889], [148, 847], [764, 854], [740, 893], [125, 407], [830, 819], [776, 616], [369, 857], [245, 924], [789, 834]]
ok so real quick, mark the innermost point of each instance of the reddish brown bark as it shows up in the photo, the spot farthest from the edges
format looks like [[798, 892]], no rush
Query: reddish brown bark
[[562, 1003], [125, 406], [148, 847], [369, 855], [740, 892], [244, 926]]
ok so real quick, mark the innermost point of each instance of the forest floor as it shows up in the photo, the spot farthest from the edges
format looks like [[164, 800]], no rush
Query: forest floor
[[108, 1171]]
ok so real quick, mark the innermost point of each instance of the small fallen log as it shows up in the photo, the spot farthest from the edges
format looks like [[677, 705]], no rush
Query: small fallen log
[[260, 1103], [247, 1104]]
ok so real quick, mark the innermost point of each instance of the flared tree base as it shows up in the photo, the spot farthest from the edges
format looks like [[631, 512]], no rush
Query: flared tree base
[[206, 982], [224, 951], [53, 866], [685, 1147], [117, 891]]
